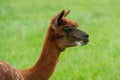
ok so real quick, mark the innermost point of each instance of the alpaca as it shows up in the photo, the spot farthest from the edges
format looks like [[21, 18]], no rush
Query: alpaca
[[62, 33]]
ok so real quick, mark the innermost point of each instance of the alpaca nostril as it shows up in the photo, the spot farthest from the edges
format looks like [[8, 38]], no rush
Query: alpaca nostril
[[86, 36]]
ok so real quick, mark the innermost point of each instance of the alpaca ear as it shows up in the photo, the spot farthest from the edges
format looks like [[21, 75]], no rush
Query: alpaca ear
[[66, 13], [59, 17]]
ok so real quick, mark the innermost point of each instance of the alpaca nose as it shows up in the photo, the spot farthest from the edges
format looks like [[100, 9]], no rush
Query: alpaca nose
[[86, 35]]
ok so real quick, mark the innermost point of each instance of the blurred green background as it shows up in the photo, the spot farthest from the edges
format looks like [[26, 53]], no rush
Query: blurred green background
[[23, 24]]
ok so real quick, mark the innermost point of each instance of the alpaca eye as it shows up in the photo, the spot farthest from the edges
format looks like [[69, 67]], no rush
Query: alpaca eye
[[68, 30]]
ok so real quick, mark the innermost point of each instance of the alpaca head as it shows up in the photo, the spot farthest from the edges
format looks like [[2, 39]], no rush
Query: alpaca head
[[65, 32]]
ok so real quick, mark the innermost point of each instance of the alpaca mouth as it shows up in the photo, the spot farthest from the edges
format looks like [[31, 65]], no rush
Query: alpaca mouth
[[81, 42]]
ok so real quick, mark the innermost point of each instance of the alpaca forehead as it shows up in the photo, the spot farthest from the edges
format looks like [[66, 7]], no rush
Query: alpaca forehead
[[70, 22]]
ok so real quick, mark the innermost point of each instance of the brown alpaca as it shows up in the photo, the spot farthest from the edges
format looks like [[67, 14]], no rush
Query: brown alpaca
[[61, 34]]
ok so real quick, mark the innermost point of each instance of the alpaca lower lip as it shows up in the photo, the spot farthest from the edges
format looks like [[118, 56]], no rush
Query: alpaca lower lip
[[79, 43]]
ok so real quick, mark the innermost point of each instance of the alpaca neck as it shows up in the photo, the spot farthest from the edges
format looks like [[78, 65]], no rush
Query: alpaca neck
[[45, 65]]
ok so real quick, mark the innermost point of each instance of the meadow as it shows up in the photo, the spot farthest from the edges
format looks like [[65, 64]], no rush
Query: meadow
[[23, 24]]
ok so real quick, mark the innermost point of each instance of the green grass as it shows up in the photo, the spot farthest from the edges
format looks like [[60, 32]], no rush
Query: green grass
[[23, 24]]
